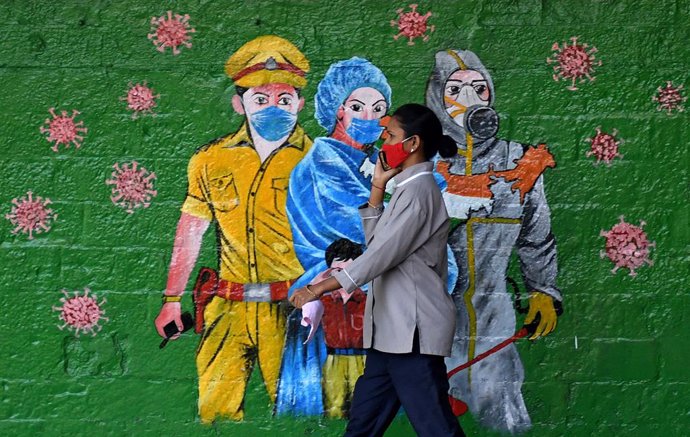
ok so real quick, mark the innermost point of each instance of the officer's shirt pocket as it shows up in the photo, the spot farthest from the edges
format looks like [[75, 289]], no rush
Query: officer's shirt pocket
[[279, 187], [224, 193]]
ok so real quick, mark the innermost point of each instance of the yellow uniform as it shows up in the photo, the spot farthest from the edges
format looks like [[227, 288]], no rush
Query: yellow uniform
[[245, 196], [340, 373], [228, 183]]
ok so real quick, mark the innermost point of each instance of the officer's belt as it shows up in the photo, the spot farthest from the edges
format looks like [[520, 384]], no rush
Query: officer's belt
[[235, 291], [209, 285]]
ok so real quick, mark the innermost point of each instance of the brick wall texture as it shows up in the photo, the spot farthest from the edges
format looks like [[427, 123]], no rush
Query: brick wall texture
[[617, 362]]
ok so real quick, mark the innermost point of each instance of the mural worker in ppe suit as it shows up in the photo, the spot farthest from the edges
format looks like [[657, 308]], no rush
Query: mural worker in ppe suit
[[239, 182], [325, 190], [495, 187]]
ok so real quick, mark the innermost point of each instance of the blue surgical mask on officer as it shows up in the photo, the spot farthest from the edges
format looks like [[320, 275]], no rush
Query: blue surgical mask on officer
[[364, 131], [273, 123]]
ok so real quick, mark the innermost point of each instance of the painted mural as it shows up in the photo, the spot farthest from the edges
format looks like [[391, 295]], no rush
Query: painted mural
[[240, 182], [495, 187], [342, 314], [282, 211], [325, 190], [276, 239], [63, 129]]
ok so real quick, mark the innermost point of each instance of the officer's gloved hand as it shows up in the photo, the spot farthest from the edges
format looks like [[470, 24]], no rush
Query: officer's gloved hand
[[542, 304]]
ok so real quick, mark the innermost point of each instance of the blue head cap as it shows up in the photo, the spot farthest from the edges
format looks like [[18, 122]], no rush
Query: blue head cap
[[341, 79]]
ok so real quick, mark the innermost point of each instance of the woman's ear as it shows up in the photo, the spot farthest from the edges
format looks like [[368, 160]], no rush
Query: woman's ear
[[416, 142]]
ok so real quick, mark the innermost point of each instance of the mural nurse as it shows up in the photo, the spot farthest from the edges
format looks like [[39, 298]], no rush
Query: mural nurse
[[326, 188]]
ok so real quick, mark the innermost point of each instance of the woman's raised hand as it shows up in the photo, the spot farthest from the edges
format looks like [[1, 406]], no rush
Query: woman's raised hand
[[381, 176]]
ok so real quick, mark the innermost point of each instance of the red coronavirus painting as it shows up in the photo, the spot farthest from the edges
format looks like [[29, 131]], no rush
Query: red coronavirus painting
[[62, 129], [574, 62], [81, 312], [132, 186], [412, 24], [168, 31], [627, 246], [31, 215], [140, 99], [669, 98], [604, 146]]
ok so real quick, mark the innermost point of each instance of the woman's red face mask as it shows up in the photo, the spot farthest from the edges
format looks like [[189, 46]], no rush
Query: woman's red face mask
[[395, 154]]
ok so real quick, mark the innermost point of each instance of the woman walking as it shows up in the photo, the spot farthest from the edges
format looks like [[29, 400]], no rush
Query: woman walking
[[409, 318]]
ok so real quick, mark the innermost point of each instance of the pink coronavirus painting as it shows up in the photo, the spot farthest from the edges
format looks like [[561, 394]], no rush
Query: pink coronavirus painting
[[31, 215], [411, 24], [574, 62], [81, 312], [168, 31], [604, 146], [63, 129], [141, 99], [132, 186], [669, 98], [627, 246]]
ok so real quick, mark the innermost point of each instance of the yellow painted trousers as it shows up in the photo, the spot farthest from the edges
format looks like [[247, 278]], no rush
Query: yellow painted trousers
[[339, 375], [237, 335]]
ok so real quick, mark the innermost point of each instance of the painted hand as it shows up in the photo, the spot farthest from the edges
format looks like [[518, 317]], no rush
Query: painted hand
[[528, 169], [542, 304], [367, 168], [170, 312], [302, 296]]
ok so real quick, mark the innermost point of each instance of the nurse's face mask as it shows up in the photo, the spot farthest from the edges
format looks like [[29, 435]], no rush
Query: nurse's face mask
[[361, 115]]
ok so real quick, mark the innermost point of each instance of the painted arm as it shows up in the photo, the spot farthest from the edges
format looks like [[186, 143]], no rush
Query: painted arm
[[190, 231], [308, 211], [536, 247]]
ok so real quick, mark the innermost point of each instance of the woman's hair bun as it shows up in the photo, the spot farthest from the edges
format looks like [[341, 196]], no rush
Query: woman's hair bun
[[416, 119], [447, 147]]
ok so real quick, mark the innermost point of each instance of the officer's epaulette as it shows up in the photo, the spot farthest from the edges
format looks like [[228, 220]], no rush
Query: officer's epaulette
[[212, 143]]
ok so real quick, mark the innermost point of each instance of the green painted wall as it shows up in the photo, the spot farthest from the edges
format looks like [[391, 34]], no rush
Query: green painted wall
[[628, 375]]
